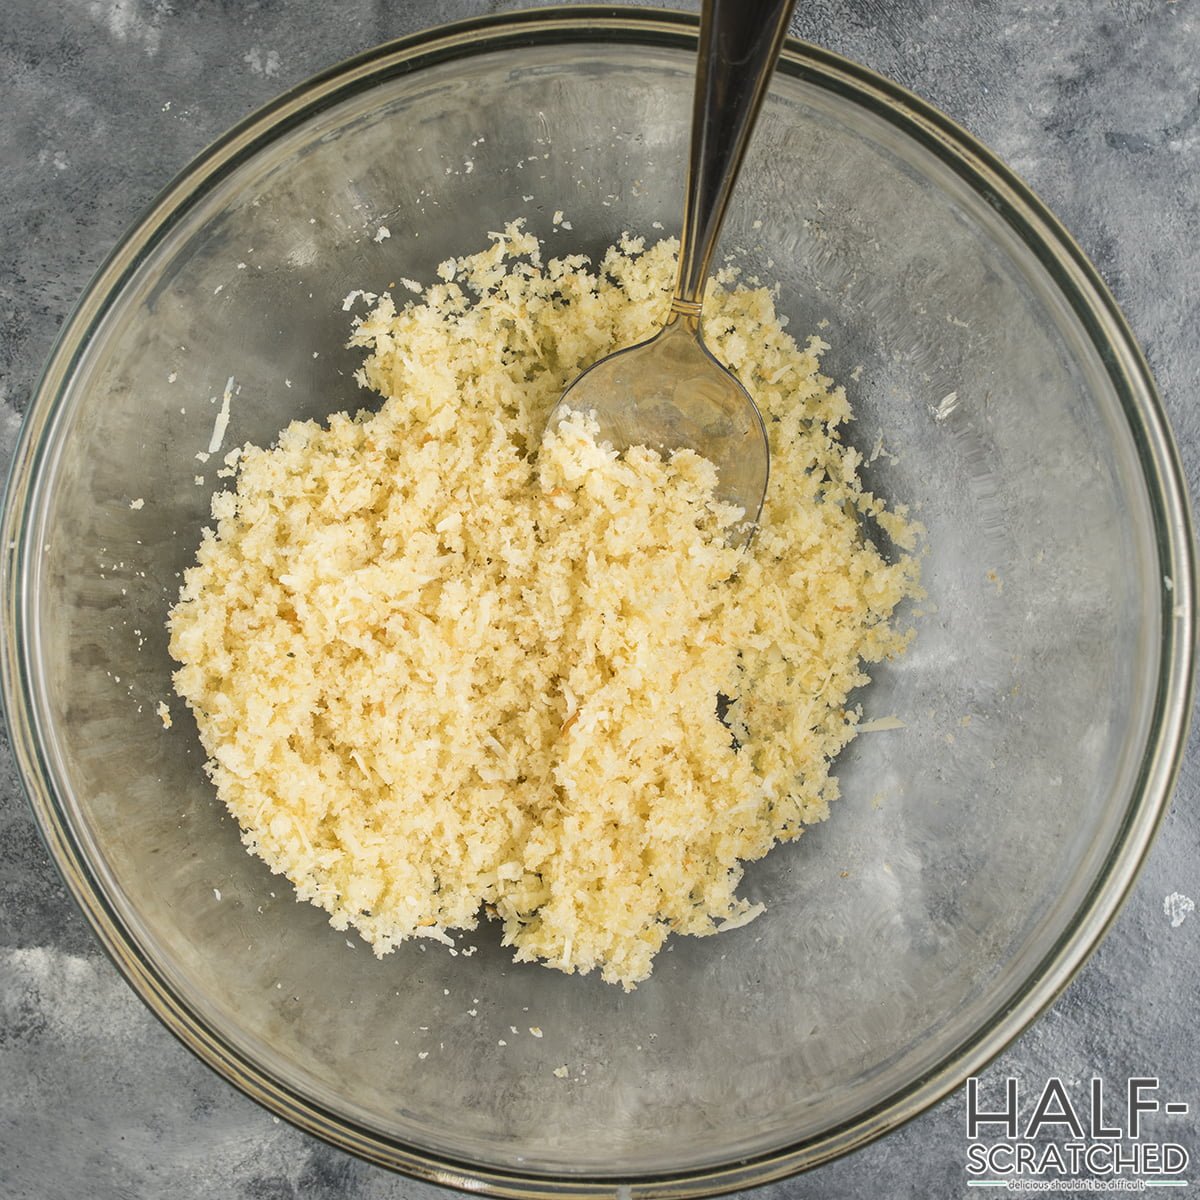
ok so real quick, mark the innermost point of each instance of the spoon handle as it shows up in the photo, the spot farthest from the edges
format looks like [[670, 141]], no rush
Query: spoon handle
[[739, 43]]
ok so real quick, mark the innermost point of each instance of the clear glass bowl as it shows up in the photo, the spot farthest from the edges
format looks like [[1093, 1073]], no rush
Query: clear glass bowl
[[978, 852]]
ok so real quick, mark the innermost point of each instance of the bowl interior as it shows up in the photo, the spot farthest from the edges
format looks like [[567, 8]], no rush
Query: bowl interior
[[965, 842]]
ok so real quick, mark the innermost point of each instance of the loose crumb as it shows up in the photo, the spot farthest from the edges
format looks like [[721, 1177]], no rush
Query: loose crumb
[[222, 421], [348, 301], [945, 407], [881, 724]]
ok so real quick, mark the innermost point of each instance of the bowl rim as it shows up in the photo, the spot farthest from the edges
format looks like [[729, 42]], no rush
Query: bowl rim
[[1078, 282]]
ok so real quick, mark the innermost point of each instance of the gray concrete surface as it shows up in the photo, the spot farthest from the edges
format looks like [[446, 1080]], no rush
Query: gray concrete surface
[[1095, 102]]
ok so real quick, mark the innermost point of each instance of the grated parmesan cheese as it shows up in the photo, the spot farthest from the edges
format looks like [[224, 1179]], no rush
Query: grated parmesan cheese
[[443, 667]]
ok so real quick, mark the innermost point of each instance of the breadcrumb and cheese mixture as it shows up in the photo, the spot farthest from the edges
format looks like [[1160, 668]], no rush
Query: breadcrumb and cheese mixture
[[444, 668]]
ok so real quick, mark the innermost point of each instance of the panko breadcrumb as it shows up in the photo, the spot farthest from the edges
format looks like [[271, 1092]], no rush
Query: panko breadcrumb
[[444, 668]]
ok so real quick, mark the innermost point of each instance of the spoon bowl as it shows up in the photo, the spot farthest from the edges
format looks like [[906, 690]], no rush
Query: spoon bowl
[[669, 392]]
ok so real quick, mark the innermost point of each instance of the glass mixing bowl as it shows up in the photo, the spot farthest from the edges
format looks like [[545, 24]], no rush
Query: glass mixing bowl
[[978, 852]]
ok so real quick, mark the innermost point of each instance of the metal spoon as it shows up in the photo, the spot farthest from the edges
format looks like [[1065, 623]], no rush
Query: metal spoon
[[669, 392]]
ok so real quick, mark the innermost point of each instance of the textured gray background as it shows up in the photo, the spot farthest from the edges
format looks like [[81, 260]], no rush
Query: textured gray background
[[1095, 102]]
